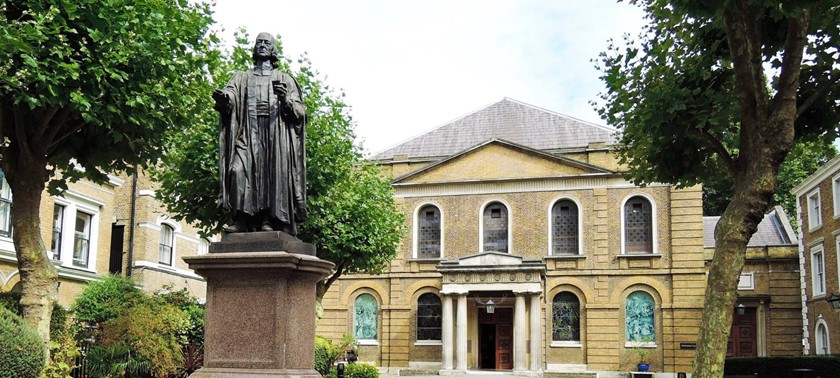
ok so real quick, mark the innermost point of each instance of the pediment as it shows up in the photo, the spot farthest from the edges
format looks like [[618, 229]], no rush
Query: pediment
[[498, 160]]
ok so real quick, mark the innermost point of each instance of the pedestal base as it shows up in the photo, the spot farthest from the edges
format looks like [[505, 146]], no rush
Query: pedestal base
[[260, 312]]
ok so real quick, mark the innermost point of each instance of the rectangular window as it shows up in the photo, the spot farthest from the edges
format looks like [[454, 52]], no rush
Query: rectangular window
[[166, 243], [81, 242], [747, 281], [5, 208], [835, 192], [58, 222], [814, 213], [818, 270]]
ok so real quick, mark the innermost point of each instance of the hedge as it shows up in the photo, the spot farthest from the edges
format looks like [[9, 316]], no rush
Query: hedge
[[783, 367]]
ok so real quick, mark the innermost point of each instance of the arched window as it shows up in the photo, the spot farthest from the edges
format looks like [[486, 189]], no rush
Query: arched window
[[564, 228], [495, 228], [640, 317], [638, 225], [823, 345], [167, 238], [565, 317], [428, 317], [428, 232], [365, 317]]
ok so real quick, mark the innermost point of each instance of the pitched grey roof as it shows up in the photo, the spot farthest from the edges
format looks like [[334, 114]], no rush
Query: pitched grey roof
[[774, 230], [508, 120]]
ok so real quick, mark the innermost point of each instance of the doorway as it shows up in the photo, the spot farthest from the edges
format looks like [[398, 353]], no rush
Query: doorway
[[495, 339], [742, 336]]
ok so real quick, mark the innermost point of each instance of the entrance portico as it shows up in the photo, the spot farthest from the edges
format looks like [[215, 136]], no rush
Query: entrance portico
[[484, 276]]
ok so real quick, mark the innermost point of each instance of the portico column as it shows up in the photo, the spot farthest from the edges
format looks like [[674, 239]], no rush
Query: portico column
[[536, 340], [461, 327], [448, 332], [519, 333]]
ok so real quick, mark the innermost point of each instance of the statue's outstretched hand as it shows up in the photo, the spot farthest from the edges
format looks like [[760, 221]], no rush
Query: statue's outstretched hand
[[222, 100]]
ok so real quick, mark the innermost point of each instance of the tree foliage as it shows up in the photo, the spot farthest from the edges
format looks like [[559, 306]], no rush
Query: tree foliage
[[353, 220], [718, 91], [88, 88]]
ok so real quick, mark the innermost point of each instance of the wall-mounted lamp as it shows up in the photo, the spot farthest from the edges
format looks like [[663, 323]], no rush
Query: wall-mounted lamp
[[741, 309], [834, 301]]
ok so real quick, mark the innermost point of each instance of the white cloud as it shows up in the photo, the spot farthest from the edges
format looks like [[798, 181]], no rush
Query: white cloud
[[410, 66]]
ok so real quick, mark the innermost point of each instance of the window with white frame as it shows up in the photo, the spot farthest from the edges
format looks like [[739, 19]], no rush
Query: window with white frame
[[5, 207], [74, 236], [428, 317], [818, 270], [57, 227], [565, 228], [495, 227], [565, 317], [81, 240], [821, 334], [814, 213], [835, 192], [746, 281], [167, 242]]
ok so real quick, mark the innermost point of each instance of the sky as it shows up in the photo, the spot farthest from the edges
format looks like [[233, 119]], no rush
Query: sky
[[408, 67]]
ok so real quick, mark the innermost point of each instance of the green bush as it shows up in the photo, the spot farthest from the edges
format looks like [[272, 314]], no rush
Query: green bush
[[104, 300], [782, 367], [22, 353], [11, 301], [360, 370], [327, 353]]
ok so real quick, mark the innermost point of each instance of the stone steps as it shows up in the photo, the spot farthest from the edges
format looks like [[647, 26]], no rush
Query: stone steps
[[554, 374]]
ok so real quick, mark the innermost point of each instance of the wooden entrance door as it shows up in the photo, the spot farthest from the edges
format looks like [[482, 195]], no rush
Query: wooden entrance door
[[497, 330], [742, 337]]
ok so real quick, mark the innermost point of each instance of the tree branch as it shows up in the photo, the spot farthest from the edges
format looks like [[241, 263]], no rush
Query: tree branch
[[720, 149], [72, 130], [820, 92], [20, 133], [44, 124], [785, 99], [339, 270]]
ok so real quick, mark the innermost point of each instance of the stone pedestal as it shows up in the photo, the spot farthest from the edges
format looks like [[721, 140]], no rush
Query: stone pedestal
[[260, 306]]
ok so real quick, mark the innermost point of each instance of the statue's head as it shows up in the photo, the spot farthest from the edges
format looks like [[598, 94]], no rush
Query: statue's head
[[265, 48]]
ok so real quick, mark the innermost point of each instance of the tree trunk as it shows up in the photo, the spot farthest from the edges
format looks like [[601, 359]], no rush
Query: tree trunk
[[38, 276]]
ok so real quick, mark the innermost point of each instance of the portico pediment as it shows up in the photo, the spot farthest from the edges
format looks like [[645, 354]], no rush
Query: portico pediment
[[492, 271]]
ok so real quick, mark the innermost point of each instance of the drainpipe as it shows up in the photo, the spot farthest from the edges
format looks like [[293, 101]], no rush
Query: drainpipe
[[131, 223]]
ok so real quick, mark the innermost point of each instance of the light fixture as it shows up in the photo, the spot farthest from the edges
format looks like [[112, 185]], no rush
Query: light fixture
[[490, 306], [834, 301], [741, 309]]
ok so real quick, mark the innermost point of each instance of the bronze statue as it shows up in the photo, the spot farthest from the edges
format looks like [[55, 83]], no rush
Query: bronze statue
[[262, 161]]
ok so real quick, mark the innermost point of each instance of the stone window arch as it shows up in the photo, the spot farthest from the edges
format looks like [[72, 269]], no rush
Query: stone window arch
[[823, 344], [495, 231], [429, 222], [565, 228], [365, 318], [640, 323], [429, 317], [565, 317]]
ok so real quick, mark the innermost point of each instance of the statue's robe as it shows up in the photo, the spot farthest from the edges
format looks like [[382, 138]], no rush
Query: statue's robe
[[262, 160]]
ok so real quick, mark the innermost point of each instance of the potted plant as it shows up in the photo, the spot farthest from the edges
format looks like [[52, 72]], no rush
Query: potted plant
[[644, 355]]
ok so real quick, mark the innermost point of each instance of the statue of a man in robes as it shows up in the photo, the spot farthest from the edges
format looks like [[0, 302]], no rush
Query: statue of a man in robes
[[262, 162]]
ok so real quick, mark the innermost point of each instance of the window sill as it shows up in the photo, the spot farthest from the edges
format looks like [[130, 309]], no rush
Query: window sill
[[428, 343], [640, 255], [427, 261], [815, 228], [640, 344], [565, 257], [367, 342], [566, 344]]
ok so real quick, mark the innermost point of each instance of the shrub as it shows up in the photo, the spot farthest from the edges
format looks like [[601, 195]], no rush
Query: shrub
[[11, 301], [22, 351], [360, 371], [104, 300], [327, 353]]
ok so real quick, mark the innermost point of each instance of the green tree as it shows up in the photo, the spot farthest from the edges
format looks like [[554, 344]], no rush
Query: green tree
[[353, 220], [804, 158], [723, 88], [87, 88]]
